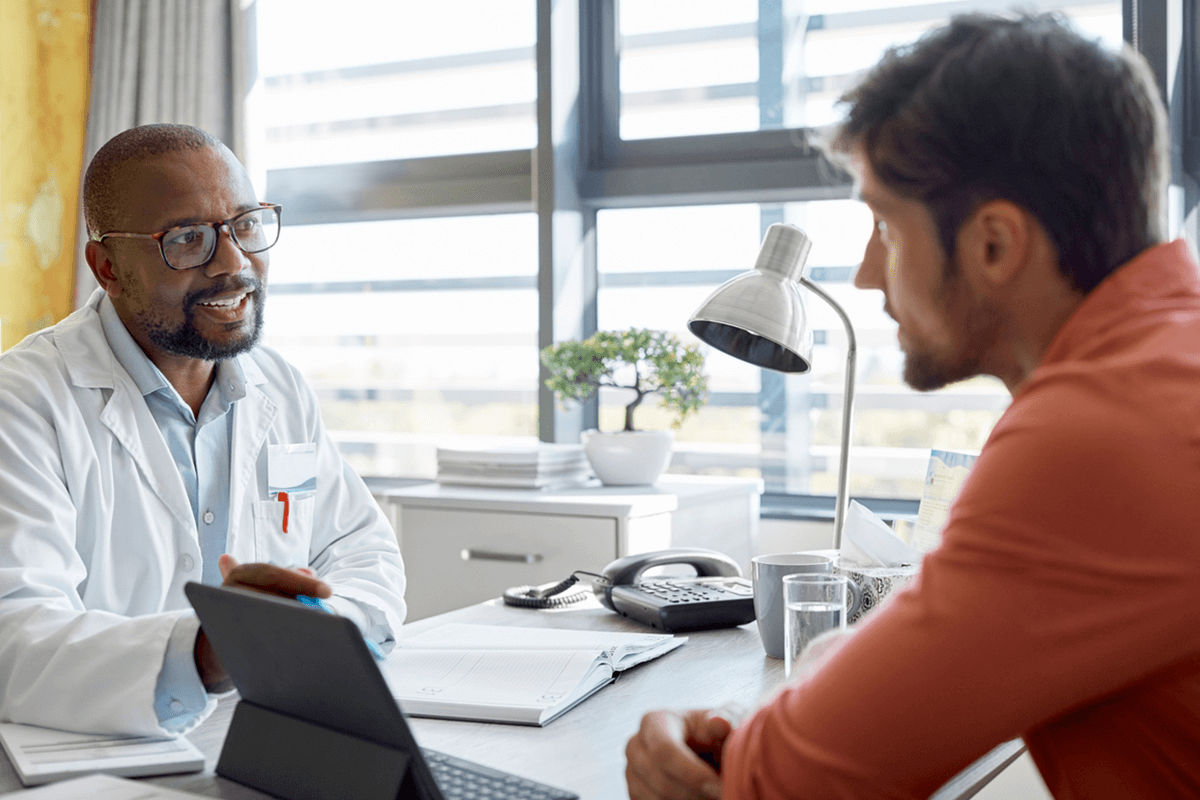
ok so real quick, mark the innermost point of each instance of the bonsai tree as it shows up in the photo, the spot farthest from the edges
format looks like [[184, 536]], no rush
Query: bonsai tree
[[643, 361]]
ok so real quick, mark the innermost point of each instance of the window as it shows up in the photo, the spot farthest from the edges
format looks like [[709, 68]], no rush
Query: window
[[405, 285], [410, 330], [412, 326], [389, 81]]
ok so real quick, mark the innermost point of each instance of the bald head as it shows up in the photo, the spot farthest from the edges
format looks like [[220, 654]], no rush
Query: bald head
[[102, 198]]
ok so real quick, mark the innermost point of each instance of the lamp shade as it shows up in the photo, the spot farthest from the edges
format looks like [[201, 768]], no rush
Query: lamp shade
[[759, 316]]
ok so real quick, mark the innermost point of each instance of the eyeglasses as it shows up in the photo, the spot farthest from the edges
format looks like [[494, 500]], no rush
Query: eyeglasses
[[191, 246]]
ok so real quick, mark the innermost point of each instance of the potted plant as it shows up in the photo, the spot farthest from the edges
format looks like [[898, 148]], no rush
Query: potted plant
[[644, 362]]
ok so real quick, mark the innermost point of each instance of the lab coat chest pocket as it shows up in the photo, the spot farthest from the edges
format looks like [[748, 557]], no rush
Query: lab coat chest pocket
[[283, 525], [284, 542]]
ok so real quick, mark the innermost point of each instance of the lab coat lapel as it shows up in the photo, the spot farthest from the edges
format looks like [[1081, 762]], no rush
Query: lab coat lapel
[[128, 418], [252, 419], [91, 364]]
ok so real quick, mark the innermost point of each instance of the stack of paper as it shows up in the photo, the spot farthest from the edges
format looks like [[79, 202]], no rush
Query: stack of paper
[[41, 755], [537, 466]]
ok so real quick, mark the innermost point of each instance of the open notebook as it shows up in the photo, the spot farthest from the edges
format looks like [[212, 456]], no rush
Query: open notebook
[[501, 673]]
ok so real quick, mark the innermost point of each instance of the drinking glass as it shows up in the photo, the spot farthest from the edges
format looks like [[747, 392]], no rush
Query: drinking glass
[[813, 603]]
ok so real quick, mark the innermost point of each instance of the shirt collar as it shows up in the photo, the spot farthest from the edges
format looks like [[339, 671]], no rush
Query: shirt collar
[[1156, 278], [149, 378], [230, 374]]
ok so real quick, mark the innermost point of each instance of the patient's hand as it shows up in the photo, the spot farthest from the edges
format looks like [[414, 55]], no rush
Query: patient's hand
[[671, 757], [271, 579]]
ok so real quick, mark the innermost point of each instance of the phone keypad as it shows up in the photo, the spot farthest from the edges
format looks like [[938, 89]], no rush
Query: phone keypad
[[692, 590], [676, 604]]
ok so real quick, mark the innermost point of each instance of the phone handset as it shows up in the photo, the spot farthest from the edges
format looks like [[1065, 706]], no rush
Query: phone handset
[[628, 570]]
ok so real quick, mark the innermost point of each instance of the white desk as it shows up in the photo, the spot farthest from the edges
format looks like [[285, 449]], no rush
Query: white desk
[[466, 544], [584, 749]]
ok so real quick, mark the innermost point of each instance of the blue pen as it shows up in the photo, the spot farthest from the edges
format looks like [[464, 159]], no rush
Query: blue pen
[[318, 603]]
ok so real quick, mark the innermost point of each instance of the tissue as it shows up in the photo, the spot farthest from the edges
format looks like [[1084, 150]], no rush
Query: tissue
[[867, 541], [875, 559]]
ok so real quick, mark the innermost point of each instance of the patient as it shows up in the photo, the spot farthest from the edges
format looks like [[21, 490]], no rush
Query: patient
[[148, 440], [1017, 174]]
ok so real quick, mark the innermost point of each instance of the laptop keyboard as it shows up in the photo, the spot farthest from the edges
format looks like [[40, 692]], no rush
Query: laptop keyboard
[[460, 779]]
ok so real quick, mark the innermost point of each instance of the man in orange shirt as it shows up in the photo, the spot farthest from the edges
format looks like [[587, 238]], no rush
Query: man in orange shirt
[[1016, 174]]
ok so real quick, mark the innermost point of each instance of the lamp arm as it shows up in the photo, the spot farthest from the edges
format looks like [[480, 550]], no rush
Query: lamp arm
[[843, 499]]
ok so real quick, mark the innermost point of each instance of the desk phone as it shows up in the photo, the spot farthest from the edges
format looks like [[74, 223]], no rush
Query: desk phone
[[717, 597]]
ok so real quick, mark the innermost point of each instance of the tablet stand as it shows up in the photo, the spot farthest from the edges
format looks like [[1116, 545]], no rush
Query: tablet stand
[[290, 757]]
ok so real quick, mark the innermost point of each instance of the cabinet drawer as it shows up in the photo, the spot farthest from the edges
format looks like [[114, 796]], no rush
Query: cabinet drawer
[[456, 558]]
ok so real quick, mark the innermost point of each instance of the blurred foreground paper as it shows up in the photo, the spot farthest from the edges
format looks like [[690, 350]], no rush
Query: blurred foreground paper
[[100, 787]]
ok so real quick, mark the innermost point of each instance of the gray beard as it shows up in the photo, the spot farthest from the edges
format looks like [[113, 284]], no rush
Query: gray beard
[[187, 341]]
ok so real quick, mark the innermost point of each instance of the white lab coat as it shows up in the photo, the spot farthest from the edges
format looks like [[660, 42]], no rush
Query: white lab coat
[[97, 536]]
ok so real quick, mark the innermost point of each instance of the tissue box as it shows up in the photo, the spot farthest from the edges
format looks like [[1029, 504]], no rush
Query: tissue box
[[874, 584]]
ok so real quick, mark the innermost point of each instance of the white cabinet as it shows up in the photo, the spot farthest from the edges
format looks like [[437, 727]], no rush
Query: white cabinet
[[462, 544]]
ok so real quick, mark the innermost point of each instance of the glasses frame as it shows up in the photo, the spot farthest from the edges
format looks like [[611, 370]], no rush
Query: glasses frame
[[225, 223]]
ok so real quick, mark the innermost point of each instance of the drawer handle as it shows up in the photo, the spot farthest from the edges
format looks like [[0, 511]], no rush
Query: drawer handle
[[470, 553]]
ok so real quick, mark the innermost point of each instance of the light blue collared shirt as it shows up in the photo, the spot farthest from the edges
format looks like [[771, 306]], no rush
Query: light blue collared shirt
[[200, 446]]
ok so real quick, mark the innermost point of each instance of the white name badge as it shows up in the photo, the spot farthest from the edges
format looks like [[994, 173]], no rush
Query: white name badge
[[292, 468]]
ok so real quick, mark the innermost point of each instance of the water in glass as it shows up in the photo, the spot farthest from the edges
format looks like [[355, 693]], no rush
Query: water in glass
[[804, 622]]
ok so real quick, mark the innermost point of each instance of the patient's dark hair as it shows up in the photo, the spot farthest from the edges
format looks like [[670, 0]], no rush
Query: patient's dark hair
[[101, 194], [1026, 110]]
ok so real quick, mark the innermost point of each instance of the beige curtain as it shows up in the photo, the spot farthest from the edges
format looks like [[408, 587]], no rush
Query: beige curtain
[[43, 107]]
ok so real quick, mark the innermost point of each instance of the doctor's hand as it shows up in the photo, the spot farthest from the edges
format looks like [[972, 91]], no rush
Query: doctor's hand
[[271, 579], [266, 578], [670, 756]]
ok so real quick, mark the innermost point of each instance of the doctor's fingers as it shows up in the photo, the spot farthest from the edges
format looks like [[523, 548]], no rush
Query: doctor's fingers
[[272, 579], [660, 766], [227, 562]]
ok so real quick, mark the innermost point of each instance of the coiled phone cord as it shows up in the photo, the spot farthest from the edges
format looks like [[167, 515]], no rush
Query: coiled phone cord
[[548, 595]]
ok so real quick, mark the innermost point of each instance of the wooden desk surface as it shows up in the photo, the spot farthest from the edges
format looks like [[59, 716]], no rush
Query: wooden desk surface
[[584, 749]]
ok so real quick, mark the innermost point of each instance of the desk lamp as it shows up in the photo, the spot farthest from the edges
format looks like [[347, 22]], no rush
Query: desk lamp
[[759, 317]]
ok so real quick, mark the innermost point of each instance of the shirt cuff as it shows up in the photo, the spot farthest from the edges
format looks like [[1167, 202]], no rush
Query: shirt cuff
[[371, 623], [179, 696]]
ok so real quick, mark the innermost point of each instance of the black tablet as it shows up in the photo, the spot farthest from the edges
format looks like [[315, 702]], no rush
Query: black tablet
[[316, 718]]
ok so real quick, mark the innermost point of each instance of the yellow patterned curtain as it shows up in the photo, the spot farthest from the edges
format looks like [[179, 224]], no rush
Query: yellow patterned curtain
[[43, 114]]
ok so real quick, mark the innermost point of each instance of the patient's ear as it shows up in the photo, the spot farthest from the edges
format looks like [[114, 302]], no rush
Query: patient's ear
[[102, 267], [995, 242]]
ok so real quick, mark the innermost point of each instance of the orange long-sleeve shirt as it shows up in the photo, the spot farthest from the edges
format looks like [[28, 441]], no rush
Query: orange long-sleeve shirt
[[1063, 604]]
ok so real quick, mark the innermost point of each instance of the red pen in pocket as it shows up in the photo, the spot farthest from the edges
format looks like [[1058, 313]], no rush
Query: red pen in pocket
[[283, 498]]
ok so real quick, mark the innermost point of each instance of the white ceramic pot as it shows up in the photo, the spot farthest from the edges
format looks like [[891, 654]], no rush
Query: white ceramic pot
[[627, 458]]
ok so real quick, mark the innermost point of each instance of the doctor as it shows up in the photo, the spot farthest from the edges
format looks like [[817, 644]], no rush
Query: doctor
[[147, 440]]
